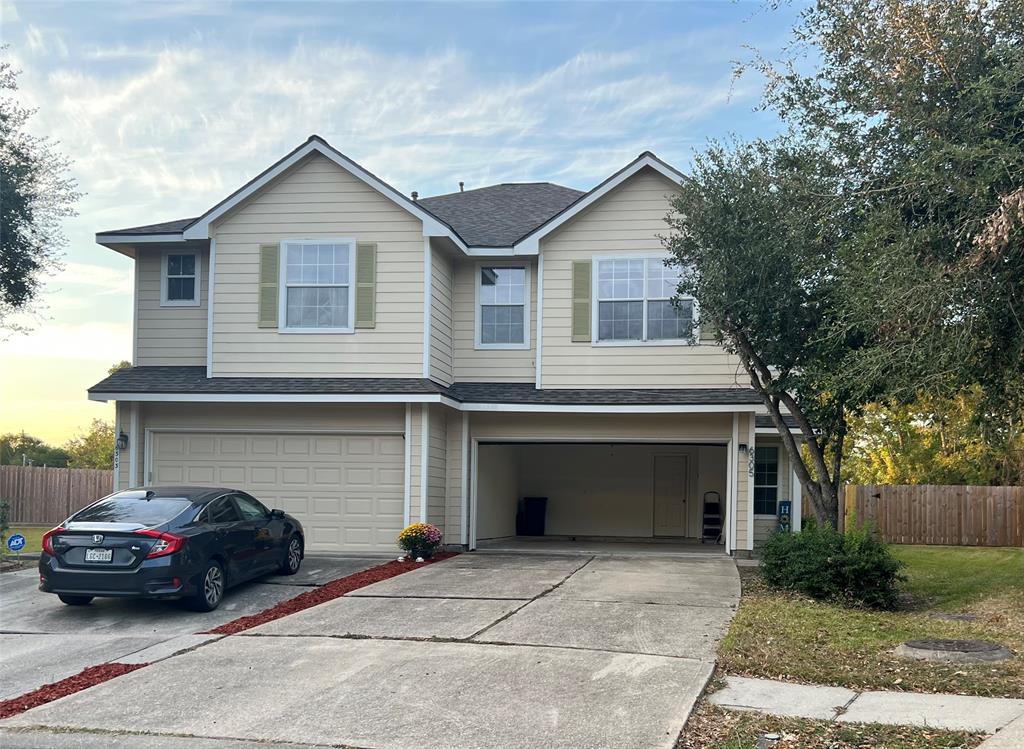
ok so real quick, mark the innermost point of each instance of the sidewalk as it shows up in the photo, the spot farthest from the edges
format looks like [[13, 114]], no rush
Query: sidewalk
[[946, 711]]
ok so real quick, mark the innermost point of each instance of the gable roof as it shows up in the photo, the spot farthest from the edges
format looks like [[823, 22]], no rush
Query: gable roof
[[510, 217], [498, 215]]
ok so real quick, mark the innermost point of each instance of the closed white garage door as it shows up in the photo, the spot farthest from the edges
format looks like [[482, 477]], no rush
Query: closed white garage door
[[347, 490]]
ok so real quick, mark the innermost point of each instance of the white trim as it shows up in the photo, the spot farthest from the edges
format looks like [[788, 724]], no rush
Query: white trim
[[473, 499], [117, 450], [210, 276], [751, 437], [428, 299], [147, 457], [477, 318], [197, 289], [200, 229], [796, 496], [539, 354], [407, 505], [595, 301], [734, 475], [282, 286], [424, 458], [715, 439], [607, 409], [531, 242], [464, 530], [135, 311], [133, 446]]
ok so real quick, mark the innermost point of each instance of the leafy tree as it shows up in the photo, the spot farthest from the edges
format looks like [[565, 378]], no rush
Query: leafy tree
[[123, 364], [37, 194], [934, 441], [93, 448], [17, 448], [876, 250]]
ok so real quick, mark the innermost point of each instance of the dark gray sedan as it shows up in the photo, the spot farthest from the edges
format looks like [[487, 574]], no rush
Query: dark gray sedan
[[188, 543]]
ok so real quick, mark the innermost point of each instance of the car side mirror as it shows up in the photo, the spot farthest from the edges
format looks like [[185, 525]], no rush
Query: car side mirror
[[277, 513]]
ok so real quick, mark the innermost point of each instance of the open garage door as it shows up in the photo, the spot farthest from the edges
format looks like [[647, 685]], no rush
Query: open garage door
[[347, 490]]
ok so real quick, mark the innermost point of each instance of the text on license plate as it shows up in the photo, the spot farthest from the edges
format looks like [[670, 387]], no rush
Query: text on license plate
[[99, 555]]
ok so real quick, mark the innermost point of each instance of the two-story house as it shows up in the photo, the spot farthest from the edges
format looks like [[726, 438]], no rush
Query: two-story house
[[363, 360]]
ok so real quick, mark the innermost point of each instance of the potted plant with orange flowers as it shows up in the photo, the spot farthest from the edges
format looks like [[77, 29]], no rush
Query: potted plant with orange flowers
[[420, 541]]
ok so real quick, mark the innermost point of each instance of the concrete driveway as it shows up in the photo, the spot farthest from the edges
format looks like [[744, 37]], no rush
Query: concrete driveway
[[42, 640], [480, 650]]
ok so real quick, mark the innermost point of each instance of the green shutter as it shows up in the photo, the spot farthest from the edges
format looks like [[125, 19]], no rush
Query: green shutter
[[708, 331], [366, 285], [269, 254], [581, 323]]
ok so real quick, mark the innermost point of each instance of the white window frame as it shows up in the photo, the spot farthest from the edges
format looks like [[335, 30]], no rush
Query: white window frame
[[478, 318], [197, 292], [282, 286], [595, 340], [755, 485]]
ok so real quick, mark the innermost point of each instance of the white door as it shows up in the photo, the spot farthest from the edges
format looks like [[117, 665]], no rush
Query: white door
[[346, 490], [670, 477]]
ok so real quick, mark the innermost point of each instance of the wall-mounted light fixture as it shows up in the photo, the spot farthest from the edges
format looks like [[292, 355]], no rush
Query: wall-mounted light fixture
[[122, 441], [743, 447]]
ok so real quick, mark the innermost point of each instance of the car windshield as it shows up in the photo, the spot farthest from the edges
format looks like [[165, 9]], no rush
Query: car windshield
[[132, 507]]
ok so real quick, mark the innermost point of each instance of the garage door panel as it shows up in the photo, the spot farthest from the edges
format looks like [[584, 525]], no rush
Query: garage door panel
[[347, 490]]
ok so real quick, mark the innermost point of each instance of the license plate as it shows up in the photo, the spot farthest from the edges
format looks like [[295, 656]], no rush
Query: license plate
[[99, 555]]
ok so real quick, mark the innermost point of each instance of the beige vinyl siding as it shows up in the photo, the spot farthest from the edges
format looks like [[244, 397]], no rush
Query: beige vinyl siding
[[743, 479], [441, 367], [318, 199], [437, 479], [489, 365], [173, 335], [453, 465], [415, 438], [627, 221], [555, 426]]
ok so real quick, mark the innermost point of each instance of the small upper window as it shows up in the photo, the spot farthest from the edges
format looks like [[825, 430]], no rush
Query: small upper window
[[503, 307], [316, 292], [180, 279], [634, 301]]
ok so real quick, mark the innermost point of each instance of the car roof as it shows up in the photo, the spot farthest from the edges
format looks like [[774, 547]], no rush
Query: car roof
[[195, 494]]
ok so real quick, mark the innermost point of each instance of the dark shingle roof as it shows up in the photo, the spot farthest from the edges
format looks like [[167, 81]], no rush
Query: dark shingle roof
[[497, 216], [525, 392], [763, 421], [194, 380], [166, 227]]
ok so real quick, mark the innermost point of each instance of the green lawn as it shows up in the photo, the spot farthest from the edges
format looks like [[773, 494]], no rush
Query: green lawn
[[785, 636], [710, 727], [33, 538]]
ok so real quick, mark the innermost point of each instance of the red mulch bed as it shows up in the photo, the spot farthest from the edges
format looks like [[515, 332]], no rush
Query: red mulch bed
[[50, 692], [324, 593]]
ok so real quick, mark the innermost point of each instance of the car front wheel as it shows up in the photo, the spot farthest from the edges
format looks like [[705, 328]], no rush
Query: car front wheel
[[292, 556], [75, 600], [211, 587]]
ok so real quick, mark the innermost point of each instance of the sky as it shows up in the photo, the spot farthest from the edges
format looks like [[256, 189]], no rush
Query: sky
[[167, 107]]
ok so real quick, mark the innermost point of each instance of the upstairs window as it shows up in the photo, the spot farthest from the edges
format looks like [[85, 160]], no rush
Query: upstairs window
[[316, 293], [503, 307], [180, 279], [766, 480], [634, 302]]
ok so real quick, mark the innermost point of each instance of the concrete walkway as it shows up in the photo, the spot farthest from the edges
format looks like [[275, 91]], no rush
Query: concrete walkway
[[512, 651], [945, 711]]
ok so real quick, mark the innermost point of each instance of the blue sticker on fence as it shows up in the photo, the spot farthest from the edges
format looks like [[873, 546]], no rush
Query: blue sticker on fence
[[16, 542]]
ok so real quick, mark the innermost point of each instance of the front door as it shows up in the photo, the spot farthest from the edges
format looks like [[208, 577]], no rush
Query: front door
[[670, 478]]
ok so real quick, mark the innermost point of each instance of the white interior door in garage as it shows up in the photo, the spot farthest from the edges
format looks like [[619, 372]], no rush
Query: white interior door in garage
[[346, 490]]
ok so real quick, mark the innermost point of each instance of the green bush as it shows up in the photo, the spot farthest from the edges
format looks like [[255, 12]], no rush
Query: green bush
[[854, 568]]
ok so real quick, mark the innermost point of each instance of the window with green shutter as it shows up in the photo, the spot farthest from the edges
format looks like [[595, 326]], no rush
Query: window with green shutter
[[269, 262], [581, 279], [366, 285]]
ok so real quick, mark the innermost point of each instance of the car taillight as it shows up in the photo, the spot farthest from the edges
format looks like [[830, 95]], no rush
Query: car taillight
[[166, 543], [48, 539]]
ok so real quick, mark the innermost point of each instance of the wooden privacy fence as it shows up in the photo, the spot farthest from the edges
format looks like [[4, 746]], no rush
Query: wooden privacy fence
[[46, 496], [951, 515]]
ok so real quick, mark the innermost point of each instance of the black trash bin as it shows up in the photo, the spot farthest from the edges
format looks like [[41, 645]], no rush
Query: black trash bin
[[530, 516]]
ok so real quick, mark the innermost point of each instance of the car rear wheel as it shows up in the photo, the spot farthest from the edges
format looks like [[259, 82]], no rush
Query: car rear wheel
[[292, 556], [210, 591], [75, 600]]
